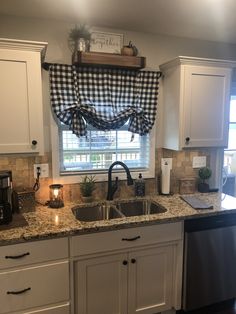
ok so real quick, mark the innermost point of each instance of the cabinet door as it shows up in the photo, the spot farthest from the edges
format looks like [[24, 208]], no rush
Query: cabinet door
[[21, 121], [101, 285], [206, 106], [150, 280]]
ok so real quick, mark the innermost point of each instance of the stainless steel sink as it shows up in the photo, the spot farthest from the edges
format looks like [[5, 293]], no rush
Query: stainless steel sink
[[140, 207], [121, 209], [96, 212]]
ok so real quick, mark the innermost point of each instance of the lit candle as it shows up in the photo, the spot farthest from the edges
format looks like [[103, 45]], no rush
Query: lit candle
[[56, 196], [56, 192]]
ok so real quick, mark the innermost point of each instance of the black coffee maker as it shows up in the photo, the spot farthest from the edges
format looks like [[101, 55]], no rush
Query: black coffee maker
[[5, 197]]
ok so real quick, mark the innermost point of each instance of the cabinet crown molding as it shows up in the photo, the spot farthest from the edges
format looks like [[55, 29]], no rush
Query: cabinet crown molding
[[183, 60], [27, 45]]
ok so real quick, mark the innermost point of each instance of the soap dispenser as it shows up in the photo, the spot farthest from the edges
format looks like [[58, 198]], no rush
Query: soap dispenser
[[139, 186]]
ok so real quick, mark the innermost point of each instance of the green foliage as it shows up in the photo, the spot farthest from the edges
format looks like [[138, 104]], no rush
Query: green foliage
[[87, 185], [204, 173], [79, 31]]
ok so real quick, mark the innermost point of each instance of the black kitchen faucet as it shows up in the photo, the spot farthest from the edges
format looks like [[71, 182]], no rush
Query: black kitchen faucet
[[112, 186]]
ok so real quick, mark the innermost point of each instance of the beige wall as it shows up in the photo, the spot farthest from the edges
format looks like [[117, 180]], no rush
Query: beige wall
[[156, 48]]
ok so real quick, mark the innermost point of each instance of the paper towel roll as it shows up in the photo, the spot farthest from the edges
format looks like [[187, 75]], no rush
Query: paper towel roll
[[165, 178]]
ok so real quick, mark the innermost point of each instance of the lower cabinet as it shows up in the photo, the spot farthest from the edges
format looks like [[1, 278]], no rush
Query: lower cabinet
[[101, 285], [135, 282], [60, 309], [34, 277], [33, 287], [138, 277], [150, 280]]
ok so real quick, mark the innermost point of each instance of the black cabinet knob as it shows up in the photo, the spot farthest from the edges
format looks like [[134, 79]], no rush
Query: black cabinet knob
[[34, 142], [187, 140], [125, 262], [133, 260]]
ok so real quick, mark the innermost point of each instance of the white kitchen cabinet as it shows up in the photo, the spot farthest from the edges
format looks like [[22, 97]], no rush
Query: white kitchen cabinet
[[101, 285], [58, 309], [129, 271], [196, 95], [21, 118], [34, 277], [150, 280]]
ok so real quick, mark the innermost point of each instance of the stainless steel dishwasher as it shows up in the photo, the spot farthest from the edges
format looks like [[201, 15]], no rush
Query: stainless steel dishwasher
[[209, 261]]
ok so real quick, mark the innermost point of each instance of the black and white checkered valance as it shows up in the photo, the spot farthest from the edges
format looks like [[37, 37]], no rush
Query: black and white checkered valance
[[104, 98]]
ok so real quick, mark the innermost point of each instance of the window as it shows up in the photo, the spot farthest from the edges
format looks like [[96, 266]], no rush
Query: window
[[229, 170], [100, 149], [232, 124], [105, 99]]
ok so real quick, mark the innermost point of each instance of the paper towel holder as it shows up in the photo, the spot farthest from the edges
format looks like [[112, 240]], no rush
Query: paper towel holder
[[166, 166]]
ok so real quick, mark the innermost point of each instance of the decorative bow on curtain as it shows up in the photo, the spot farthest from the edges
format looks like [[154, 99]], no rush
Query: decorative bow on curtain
[[104, 98]]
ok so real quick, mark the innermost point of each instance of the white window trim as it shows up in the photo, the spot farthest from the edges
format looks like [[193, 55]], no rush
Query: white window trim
[[70, 179]]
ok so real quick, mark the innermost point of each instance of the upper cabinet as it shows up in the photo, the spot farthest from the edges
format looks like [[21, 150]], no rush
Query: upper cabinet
[[196, 102], [21, 118]]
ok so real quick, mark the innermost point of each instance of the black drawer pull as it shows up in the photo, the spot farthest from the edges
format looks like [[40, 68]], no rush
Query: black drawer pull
[[17, 256], [131, 239], [34, 142], [133, 260], [125, 262], [19, 292]]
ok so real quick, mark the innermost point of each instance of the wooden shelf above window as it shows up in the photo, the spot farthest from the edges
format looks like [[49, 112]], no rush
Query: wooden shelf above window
[[109, 60]]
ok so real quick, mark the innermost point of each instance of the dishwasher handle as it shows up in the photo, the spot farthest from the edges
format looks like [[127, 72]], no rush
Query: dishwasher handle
[[210, 222]]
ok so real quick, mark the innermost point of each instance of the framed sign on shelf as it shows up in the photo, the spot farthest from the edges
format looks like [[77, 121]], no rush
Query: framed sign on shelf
[[106, 42]]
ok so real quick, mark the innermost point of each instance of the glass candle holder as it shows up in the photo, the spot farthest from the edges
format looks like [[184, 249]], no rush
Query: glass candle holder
[[56, 196]]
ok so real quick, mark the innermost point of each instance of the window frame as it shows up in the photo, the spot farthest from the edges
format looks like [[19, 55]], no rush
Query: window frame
[[89, 151], [101, 175], [231, 123]]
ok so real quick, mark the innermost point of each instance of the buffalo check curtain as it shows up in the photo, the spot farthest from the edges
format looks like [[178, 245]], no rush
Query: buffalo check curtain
[[104, 98]]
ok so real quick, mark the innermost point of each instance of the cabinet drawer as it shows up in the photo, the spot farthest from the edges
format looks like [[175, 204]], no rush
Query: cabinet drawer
[[33, 252], [60, 309], [125, 238], [34, 287]]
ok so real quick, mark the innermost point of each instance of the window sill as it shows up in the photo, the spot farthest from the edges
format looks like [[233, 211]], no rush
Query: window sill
[[102, 177]]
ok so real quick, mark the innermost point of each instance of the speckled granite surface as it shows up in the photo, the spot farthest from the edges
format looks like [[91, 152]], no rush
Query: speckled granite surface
[[47, 223]]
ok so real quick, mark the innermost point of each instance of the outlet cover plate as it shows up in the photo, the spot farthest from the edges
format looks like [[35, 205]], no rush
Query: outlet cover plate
[[44, 170], [168, 160], [199, 161]]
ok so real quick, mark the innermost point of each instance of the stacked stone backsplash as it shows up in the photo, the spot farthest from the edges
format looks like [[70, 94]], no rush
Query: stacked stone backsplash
[[23, 174], [182, 165], [23, 177]]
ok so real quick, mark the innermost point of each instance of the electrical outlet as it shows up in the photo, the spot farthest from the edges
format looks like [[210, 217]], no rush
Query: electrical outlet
[[168, 160], [199, 161], [44, 170]]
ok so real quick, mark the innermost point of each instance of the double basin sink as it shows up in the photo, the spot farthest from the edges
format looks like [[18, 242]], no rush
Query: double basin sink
[[112, 210]]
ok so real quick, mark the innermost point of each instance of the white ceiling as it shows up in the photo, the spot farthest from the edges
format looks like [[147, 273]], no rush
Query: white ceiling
[[203, 19]]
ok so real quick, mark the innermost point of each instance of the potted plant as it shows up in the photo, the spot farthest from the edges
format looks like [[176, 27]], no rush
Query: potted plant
[[204, 174], [87, 186], [79, 39]]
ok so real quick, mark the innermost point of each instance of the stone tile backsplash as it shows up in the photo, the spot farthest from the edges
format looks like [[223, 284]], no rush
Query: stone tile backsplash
[[22, 172]]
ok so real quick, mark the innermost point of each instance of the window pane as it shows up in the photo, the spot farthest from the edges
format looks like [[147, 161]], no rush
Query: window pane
[[124, 140], [233, 109], [232, 136], [100, 149], [103, 140]]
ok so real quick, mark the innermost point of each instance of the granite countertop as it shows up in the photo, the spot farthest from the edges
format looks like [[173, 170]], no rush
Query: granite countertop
[[46, 222]]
